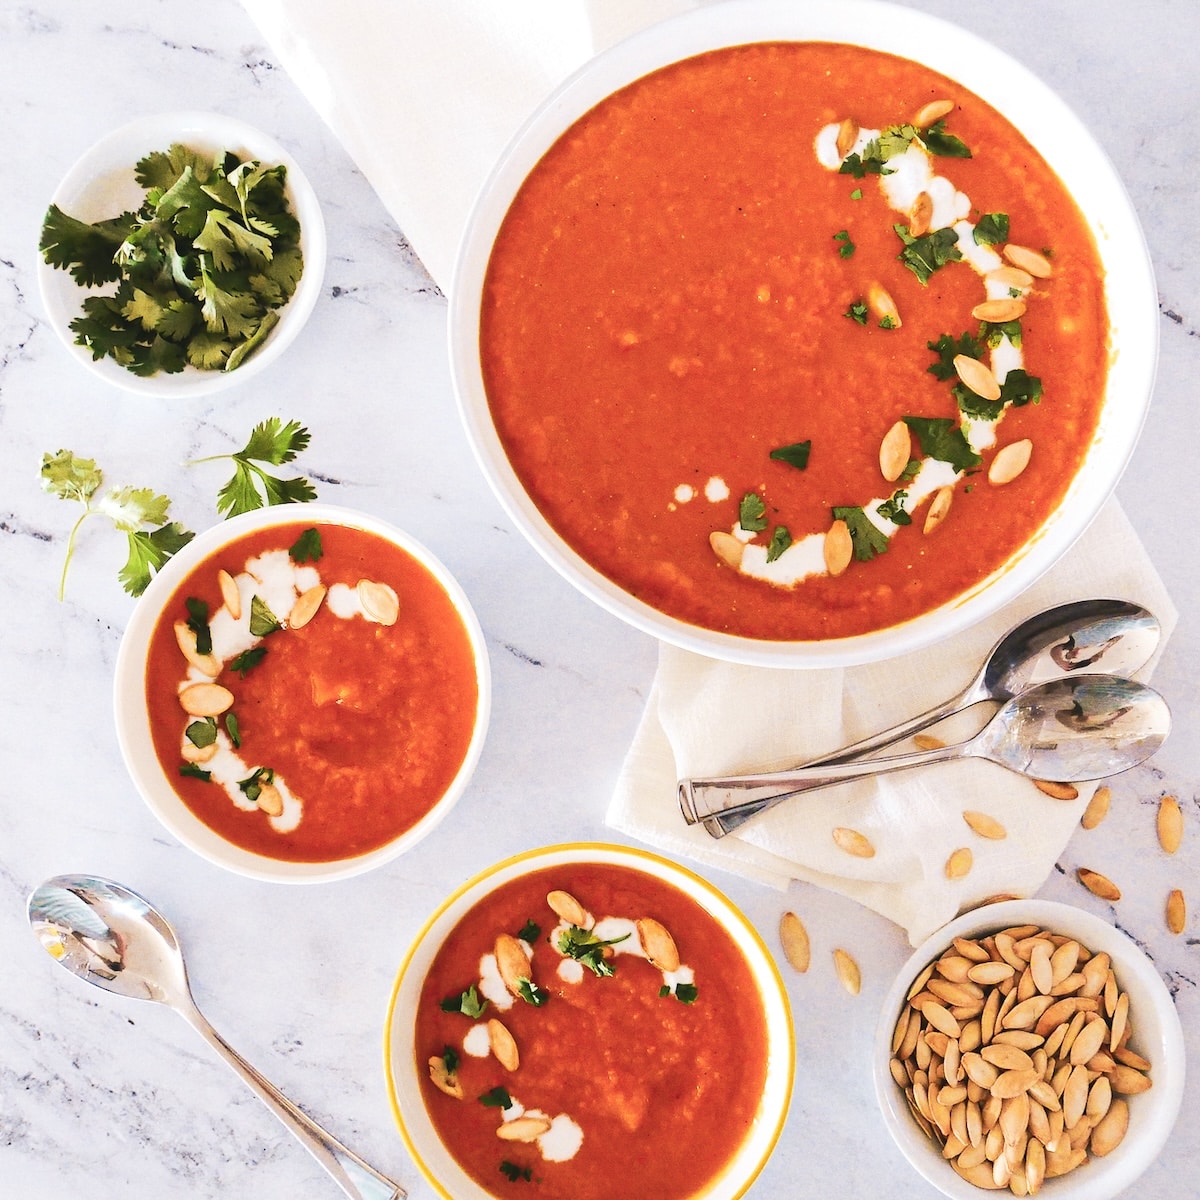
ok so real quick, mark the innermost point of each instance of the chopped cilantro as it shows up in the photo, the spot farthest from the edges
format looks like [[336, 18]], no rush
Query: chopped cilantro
[[262, 620], [856, 194], [993, 333], [795, 455], [245, 662], [307, 547], [928, 253], [893, 509], [895, 140], [514, 1173], [991, 229], [497, 1097], [686, 993], [847, 247], [866, 537], [974, 405], [530, 932], [944, 145], [197, 622], [532, 994], [233, 729], [887, 322], [781, 539], [252, 786], [940, 438], [752, 513], [202, 733], [857, 312], [910, 471], [585, 947], [1019, 388], [195, 771], [467, 1002], [947, 349], [450, 1058]]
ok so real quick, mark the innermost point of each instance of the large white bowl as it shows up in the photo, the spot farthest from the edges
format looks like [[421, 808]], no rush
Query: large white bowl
[[404, 1090], [1157, 1036], [133, 717], [101, 184], [1081, 164]]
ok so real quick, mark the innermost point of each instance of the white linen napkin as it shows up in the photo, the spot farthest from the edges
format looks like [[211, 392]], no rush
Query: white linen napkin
[[705, 717], [425, 95]]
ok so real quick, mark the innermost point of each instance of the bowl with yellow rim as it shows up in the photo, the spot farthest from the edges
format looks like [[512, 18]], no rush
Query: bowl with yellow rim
[[597, 1046]]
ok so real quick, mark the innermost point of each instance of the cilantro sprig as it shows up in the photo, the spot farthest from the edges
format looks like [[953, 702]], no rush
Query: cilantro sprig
[[865, 535], [468, 1002], [201, 268], [274, 443], [585, 947], [70, 477]]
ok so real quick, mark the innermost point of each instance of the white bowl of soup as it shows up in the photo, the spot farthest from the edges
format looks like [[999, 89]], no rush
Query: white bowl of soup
[[803, 335], [302, 693], [597, 1019], [1059, 1034]]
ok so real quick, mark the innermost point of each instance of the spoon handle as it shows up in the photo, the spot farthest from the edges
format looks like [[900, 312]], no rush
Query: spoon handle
[[715, 801], [720, 819], [357, 1179]]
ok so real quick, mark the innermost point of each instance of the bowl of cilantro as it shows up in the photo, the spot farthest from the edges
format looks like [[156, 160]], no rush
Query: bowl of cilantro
[[181, 254]]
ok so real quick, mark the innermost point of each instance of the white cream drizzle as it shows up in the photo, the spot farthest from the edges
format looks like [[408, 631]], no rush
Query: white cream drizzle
[[277, 581], [910, 174]]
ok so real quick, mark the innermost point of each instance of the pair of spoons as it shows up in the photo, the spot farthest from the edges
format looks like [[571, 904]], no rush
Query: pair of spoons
[[1068, 713]]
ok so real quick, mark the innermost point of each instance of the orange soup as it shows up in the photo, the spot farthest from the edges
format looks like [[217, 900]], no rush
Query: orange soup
[[312, 691], [794, 341], [591, 1029]]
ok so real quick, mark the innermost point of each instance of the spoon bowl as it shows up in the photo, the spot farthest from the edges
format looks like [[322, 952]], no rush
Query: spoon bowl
[[1066, 730], [110, 936]]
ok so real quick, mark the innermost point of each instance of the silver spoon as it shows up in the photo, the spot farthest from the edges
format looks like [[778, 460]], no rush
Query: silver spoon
[[1067, 730], [1115, 637], [112, 937]]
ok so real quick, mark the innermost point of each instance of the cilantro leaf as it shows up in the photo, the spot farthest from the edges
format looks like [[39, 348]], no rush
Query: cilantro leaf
[[245, 662], [197, 622], [272, 442], [944, 145], [893, 509], [195, 771], [1020, 388], [467, 1002], [847, 247], [866, 537], [686, 993], [233, 729], [940, 438], [781, 539], [531, 993], [496, 1097], [307, 547], [974, 405], [202, 732], [795, 455], [585, 947], [86, 250], [928, 253], [530, 932], [513, 1173], [991, 229], [79, 479], [252, 786], [857, 312], [995, 332], [752, 513], [948, 349], [263, 621]]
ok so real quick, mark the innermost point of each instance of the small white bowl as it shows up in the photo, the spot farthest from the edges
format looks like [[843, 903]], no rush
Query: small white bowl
[[101, 184], [1028, 103], [1157, 1036], [133, 718], [443, 1172]]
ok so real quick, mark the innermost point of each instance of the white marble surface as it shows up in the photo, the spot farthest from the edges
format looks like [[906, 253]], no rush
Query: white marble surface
[[101, 1097]]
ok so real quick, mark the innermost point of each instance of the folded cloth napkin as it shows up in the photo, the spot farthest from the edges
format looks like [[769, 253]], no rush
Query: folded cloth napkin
[[425, 95], [706, 718]]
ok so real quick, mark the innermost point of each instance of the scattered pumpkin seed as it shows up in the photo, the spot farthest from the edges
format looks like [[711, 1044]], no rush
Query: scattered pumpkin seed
[[1009, 462], [727, 548], [1098, 885], [1170, 824], [1097, 807], [1176, 911], [847, 971], [794, 938], [854, 842]]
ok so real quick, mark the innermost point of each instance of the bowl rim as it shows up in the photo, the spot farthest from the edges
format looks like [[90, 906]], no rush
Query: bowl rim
[[106, 168], [417, 1130], [132, 721], [1152, 1114], [1029, 104]]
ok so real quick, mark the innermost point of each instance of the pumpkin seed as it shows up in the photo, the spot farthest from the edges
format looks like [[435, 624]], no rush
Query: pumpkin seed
[[1009, 462], [503, 1045], [1010, 277], [1170, 824], [1029, 261], [1058, 791], [566, 907], [977, 376], [1097, 808], [838, 548], [984, 825], [512, 962], [847, 971], [920, 216], [847, 135], [306, 606], [939, 506], [959, 863], [185, 638], [657, 944], [727, 548], [1176, 911], [1110, 1129], [270, 800], [523, 1129], [205, 699], [1007, 308], [854, 842], [934, 111], [881, 304], [231, 597], [1098, 885], [895, 451], [796, 948], [378, 602], [444, 1079]]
